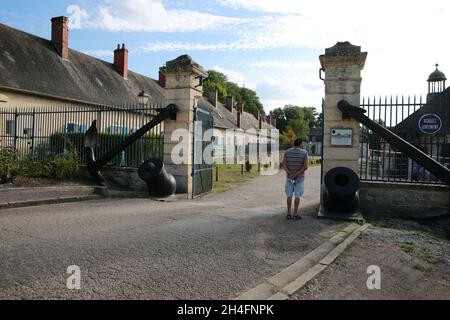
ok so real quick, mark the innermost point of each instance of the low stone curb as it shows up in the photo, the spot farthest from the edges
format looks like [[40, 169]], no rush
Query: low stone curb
[[97, 193], [293, 278], [33, 203]]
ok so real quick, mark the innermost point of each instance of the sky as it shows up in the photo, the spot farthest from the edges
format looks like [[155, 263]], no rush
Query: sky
[[270, 46]]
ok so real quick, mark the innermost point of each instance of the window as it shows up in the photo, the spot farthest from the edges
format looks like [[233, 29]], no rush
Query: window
[[83, 128], [10, 130], [219, 141], [117, 130], [71, 128]]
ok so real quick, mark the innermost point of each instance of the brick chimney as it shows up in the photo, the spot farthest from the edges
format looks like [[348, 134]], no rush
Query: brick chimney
[[269, 119], [260, 120], [214, 97], [121, 60], [257, 115], [229, 103], [162, 79], [240, 111], [60, 36]]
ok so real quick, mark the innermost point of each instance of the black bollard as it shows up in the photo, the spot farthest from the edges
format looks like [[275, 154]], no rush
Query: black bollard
[[160, 183], [340, 197]]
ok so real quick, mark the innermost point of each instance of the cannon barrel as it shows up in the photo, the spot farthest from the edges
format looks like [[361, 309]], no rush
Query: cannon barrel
[[340, 195], [160, 183]]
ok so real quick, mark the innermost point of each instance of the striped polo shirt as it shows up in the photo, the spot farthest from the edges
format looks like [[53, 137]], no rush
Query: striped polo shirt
[[295, 158]]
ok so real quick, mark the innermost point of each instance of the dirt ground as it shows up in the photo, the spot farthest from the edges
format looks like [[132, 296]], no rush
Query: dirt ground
[[414, 260]]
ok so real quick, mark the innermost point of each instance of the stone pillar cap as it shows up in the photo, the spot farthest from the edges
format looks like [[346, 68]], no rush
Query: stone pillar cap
[[343, 53], [184, 63]]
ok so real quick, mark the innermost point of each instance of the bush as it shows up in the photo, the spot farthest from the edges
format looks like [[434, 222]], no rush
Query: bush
[[31, 168], [64, 166], [8, 167], [60, 167]]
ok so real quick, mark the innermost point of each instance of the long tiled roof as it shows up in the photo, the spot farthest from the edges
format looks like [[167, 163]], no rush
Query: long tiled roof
[[32, 64], [223, 118]]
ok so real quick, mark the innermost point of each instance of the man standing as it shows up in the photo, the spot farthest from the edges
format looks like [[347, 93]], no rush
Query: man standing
[[295, 163]]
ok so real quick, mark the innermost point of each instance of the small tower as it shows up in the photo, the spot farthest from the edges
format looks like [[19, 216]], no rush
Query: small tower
[[436, 81]]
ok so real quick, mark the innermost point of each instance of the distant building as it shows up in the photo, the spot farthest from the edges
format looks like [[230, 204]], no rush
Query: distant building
[[315, 141], [429, 127]]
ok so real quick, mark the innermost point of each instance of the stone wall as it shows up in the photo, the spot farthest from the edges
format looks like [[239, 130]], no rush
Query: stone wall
[[401, 198]]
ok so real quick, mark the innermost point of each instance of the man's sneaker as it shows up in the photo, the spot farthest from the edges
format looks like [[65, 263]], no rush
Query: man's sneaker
[[297, 217]]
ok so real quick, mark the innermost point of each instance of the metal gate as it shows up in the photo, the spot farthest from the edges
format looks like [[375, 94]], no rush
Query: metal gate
[[380, 161], [202, 173]]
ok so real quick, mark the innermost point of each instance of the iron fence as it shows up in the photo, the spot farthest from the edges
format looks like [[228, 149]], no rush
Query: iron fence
[[379, 161], [41, 133]]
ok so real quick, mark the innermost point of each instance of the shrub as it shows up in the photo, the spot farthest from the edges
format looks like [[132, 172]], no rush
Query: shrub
[[64, 166], [8, 167], [32, 168], [59, 167]]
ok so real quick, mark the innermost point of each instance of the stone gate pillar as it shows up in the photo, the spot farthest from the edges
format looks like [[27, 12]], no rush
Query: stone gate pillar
[[342, 65], [182, 79]]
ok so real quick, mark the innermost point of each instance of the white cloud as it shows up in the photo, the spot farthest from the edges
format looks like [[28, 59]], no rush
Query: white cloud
[[149, 16], [77, 15], [233, 76], [284, 65], [186, 46], [281, 6], [276, 92]]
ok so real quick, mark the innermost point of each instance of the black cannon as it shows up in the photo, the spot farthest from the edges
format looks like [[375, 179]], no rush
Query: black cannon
[[160, 183], [340, 197]]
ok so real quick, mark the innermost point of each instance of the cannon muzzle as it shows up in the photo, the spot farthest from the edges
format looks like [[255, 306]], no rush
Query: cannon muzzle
[[340, 197], [160, 183]]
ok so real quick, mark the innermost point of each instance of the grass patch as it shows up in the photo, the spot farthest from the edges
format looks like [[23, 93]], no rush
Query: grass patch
[[429, 257], [421, 267], [230, 176], [408, 247]]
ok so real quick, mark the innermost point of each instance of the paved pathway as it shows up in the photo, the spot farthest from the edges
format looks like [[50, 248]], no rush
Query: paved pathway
[[211, 248]]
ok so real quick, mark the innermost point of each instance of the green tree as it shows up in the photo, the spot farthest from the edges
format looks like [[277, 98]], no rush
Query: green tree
[[300, 127], [288, 137], [251, 101], [311, 116], [219, 81], [280, 118], [216, 81], [233, 90], [298, 119], [319, 123]]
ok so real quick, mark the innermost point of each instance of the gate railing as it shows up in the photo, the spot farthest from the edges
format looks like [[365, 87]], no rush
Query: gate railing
[[379, 161], [41, 133]]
